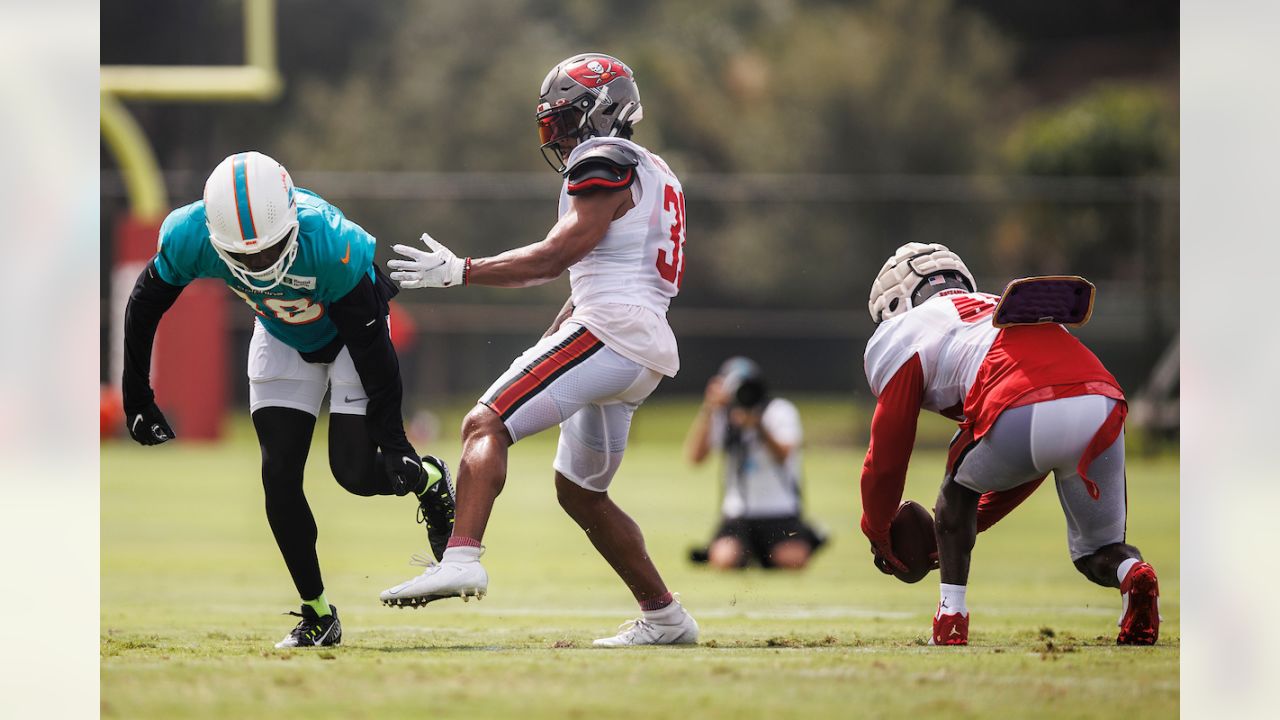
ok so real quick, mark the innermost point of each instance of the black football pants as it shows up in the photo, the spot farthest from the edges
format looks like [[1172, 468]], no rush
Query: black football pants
[[284, 436]]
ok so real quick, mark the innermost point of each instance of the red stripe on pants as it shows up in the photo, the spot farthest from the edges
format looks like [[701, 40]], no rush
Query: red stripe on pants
[[534, 376]]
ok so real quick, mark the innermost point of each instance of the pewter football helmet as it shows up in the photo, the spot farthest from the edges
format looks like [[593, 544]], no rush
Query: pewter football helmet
[[588, 95]]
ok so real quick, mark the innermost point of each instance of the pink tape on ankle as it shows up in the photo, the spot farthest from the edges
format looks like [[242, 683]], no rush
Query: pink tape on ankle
[[459, 541], [656, 603]]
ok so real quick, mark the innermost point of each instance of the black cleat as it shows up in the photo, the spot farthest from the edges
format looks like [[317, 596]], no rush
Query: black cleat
[[436, 507], [313, 630]]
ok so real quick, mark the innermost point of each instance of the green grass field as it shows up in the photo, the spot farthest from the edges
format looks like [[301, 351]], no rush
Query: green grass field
[[192, 588]]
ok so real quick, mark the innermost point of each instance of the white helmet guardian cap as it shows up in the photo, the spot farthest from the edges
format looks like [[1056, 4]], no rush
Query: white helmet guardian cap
[[250, 209], [897, 287]]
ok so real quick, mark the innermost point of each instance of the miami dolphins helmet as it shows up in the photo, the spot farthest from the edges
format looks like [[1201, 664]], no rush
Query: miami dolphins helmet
[[587, 95], [253, 218]]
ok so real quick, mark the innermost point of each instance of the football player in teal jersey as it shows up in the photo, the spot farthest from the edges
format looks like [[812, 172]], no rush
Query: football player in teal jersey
[[321, 307]]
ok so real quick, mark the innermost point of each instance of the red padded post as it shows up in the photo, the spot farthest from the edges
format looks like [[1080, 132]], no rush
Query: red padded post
[[189, 362]]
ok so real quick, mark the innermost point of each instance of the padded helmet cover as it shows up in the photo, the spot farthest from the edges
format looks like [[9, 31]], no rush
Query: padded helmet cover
[[901, 274]]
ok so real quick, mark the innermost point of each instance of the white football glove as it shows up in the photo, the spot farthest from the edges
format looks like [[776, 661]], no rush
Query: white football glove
[[437, 267]]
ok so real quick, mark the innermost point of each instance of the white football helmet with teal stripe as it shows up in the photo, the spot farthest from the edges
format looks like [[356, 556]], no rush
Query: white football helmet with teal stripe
[[252, 218]]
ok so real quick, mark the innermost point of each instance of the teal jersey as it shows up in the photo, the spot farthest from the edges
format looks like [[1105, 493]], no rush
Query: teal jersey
[[333, 254]]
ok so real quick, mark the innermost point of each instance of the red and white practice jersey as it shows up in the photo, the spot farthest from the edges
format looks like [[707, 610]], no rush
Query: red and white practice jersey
[[972, 370], [622, 288], [951, 332]]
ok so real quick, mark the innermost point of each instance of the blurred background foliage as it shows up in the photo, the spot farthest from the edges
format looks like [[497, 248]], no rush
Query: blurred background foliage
[[813, 137], [1110, 131]]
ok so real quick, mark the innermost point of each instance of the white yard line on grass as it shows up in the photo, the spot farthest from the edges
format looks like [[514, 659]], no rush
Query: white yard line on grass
[[800, 613]]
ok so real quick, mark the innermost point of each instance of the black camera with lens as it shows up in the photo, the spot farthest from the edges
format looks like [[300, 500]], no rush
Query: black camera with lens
[[749, 394], [744, 383]]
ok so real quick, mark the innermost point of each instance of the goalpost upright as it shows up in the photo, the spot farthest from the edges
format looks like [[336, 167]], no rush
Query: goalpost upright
[[193, 340]]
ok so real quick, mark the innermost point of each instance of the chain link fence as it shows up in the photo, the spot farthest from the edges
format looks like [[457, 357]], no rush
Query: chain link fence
[[778, 266]]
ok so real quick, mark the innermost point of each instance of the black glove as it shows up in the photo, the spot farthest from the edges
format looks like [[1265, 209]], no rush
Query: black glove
[[404, 470], [148, 426]]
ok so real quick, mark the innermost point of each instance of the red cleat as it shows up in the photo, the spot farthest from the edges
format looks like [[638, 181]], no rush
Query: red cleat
[[1140, 623], [950, 629]]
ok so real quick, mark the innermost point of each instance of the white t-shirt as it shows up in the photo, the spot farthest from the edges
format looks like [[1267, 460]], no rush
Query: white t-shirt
[[756, 485], [622, 288]]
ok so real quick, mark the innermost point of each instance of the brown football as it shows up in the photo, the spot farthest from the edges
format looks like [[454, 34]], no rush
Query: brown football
[[913, 540]]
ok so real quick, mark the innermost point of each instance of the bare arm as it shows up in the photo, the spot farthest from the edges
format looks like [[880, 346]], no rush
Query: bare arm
[[575, 235], [697, 443]]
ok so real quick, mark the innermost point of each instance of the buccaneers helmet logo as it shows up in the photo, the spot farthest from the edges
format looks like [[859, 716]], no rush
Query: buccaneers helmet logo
[[599, 71]]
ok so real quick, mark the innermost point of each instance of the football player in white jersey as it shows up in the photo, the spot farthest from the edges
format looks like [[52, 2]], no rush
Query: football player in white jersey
[[1030, 399], [621, 236]]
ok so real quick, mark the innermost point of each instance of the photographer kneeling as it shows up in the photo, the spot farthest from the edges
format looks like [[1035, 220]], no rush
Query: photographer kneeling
[[760, 437]]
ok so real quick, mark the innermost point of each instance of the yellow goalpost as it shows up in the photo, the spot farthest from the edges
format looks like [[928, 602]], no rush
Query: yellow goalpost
[[193, 340]]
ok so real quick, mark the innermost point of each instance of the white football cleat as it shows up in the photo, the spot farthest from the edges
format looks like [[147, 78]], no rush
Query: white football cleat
[[439, 581], [646, 632]]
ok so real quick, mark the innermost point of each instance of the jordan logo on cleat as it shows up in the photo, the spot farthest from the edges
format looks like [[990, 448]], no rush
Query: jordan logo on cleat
[[955, 630]]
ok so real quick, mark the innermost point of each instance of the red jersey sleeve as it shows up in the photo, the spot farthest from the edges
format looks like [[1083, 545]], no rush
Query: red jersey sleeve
[[893, 435]]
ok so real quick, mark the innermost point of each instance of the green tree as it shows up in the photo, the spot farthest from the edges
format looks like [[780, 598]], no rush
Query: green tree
[[729, 87], [1110, 131]]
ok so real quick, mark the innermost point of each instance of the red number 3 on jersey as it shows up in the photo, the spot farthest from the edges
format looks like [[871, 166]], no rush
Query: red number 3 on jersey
[[669, 265]]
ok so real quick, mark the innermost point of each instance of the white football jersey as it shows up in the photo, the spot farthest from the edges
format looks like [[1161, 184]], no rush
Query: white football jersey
[[951, 332], [622, 288]]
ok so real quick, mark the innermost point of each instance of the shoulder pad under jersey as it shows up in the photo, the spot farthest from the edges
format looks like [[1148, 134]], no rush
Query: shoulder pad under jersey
[[607, 166]]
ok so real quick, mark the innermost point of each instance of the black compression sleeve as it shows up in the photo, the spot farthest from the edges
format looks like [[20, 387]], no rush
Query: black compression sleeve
[[150, 299], [361, 318]]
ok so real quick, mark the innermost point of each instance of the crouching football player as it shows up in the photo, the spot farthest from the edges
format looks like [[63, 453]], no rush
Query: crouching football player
[[1030, 399], [308, 274]]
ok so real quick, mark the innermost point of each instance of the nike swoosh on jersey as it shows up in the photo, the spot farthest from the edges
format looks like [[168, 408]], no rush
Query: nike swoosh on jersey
[[347, 258], [348, 398]]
